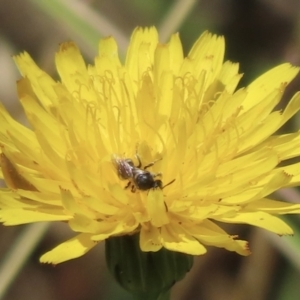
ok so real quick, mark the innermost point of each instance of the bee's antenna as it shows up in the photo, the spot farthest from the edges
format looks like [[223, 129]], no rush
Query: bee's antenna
[[168, 183]]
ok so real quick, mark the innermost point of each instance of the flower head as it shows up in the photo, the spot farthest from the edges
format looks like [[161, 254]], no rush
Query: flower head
[[103, 131]]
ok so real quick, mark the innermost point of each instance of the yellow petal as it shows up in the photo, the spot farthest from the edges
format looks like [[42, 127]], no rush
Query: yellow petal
[[140, 54], [122, 226], [176, 53], [72, 206], [70, 249], [273, 206], [175, 239], [267, 83], [22, 216], [12, 175], [150, 239], [109, 48], [291, 109], [71, 66], [229, 77], [156, 208], [208, 54], [211, 234], [41, 83], [260, 219]]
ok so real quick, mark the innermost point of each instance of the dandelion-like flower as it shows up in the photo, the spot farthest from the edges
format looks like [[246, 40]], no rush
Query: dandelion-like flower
[[208, 152]]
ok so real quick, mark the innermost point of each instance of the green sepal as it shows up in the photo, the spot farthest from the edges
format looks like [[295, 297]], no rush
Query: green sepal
[[146, 275]]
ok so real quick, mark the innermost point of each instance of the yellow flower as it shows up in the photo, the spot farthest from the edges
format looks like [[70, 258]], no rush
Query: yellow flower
[[182, 113]]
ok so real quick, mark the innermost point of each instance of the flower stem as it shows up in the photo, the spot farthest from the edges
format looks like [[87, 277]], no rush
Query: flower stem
[[146, 275], [162, 296]]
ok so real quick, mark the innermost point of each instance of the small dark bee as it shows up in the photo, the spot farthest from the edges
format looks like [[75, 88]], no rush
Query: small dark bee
[[139, 178]]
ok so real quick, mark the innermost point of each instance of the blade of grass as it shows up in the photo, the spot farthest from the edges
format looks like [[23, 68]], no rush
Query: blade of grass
[[288, 288], [18, 254], [289, 246], [176, 16], [84, 22]]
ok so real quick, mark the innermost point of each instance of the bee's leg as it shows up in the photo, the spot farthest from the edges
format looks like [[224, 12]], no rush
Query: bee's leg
[[166, 206], [152, 163], [156, 174], [133, 188], [139, 160], [168, 183], [128, 185]]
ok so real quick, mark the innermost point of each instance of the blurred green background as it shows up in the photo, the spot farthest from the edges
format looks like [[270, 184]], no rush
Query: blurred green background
[[259, 35]]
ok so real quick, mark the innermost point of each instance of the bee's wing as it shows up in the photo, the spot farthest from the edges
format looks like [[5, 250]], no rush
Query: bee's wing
[[116, 160], [123, 168]]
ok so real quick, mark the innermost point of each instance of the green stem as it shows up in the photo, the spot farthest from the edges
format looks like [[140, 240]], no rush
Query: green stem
[[165, 295], [146, 275], [146, 296], [162, 296]]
